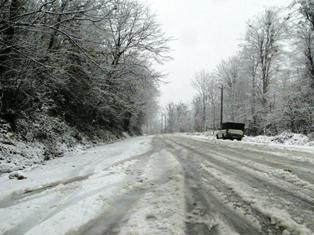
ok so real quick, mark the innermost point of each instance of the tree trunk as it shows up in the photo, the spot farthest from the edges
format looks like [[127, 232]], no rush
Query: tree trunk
[[8, 35], [204, 113], [55, 31], [310, 61]]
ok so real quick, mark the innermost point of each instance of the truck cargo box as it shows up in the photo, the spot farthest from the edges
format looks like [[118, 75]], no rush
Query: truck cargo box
[[231, 131]]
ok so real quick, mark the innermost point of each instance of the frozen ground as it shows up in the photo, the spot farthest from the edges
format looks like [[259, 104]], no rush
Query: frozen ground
[[173, 184]]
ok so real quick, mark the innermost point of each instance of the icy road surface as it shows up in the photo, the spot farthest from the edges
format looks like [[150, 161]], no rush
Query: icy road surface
[[172, 184]]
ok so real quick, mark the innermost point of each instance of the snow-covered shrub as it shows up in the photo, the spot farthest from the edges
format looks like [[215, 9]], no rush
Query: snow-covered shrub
[[286, 138], [291, 139]]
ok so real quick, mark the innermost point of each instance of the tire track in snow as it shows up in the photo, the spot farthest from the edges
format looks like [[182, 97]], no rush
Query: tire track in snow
[[296, 205], [301, 168], [252, 177], [286, 178], [120, 209], [42, 191], [217, 218]]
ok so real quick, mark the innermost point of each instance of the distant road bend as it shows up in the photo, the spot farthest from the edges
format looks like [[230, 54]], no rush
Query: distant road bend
[[170, 184]]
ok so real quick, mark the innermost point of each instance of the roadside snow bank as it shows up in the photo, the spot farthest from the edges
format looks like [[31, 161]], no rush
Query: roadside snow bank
[[44, 139], [17, 155], [285, 138]]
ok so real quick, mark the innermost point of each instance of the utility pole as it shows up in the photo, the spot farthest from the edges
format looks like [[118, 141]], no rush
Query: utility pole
[[221, 105], [163, 123]]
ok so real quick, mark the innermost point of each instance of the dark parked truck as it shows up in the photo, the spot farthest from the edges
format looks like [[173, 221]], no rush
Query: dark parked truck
[[231, 131]]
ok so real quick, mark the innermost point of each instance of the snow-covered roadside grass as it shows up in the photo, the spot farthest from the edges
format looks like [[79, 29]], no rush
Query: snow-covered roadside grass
[[162, 208], [16, 155]]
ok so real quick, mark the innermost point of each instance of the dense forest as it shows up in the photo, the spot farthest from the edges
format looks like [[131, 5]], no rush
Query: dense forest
[[268, 84], [73, 69], [84, 69]]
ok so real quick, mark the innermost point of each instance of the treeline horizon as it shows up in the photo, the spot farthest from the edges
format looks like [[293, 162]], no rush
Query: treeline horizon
[[75, 68], [268, 84]]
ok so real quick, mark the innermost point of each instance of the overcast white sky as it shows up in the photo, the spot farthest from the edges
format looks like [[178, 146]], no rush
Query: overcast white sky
[[206, 32]]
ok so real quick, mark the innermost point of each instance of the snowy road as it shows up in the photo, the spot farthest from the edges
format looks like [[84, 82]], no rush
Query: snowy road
[[171, 184]]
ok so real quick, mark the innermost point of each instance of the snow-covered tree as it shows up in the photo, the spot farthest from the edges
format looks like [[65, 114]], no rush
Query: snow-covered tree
[[86, 63]]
